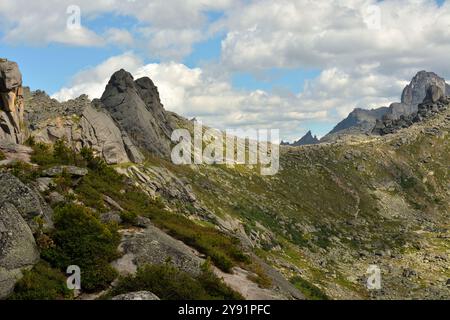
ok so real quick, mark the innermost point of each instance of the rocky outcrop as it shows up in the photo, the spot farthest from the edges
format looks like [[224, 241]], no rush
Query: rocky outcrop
[[307, 139], [434, 102], [136, 107], [82, 124], [415, 93], [359, 121], [153, 246], [18, 250], [27, 202], [11, 102]]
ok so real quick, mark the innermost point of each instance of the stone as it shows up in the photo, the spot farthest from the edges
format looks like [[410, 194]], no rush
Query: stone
[[70, 170], [55, 198], [110, 217], [44, 184], [140, 295], [112, 203], [18, 250]]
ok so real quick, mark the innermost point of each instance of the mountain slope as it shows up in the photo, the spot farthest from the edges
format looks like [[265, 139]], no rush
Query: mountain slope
[[310, 231]]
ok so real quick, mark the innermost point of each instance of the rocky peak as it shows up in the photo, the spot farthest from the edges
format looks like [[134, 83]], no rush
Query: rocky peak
[[415, 92], [136, 107]]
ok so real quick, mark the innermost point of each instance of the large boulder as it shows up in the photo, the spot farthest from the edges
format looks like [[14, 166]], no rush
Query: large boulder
[[27, 201], [18, 250], [153, 246], [136, 107]]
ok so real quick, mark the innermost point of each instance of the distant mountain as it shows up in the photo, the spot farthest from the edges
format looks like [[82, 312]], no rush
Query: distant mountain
[[361, 121], [307, 139]]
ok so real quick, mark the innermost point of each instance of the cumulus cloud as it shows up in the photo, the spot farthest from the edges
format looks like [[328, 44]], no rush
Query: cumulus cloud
[[399, 35], [169, 27]]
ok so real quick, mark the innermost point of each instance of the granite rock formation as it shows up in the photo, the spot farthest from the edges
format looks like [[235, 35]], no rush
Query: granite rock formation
[[11, 102]]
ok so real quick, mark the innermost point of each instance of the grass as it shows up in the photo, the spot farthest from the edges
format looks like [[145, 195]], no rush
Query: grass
[[310, 291]]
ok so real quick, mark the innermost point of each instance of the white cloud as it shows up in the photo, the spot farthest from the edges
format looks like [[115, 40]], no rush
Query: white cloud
[[338, 34], [166, 29], [191, 92]]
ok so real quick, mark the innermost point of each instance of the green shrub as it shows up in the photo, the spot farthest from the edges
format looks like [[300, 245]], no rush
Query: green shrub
[[46, 155], [81, 239], [41, 283], [2, 156], [169, 283], [310, 291]]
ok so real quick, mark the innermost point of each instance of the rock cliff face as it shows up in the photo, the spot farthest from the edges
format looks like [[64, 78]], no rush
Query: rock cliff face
[[136, 107], [80, 123], [11, 102]]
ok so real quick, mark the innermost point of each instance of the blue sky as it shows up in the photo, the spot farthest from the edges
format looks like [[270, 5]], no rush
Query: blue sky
[[278, 71]]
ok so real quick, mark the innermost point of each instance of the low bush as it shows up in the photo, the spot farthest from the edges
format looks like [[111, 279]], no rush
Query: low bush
[[41, 283], [81, 239], [169, 283], [47, 155]]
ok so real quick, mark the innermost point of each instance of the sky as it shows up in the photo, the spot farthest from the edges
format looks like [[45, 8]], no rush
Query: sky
[[292, 65]]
